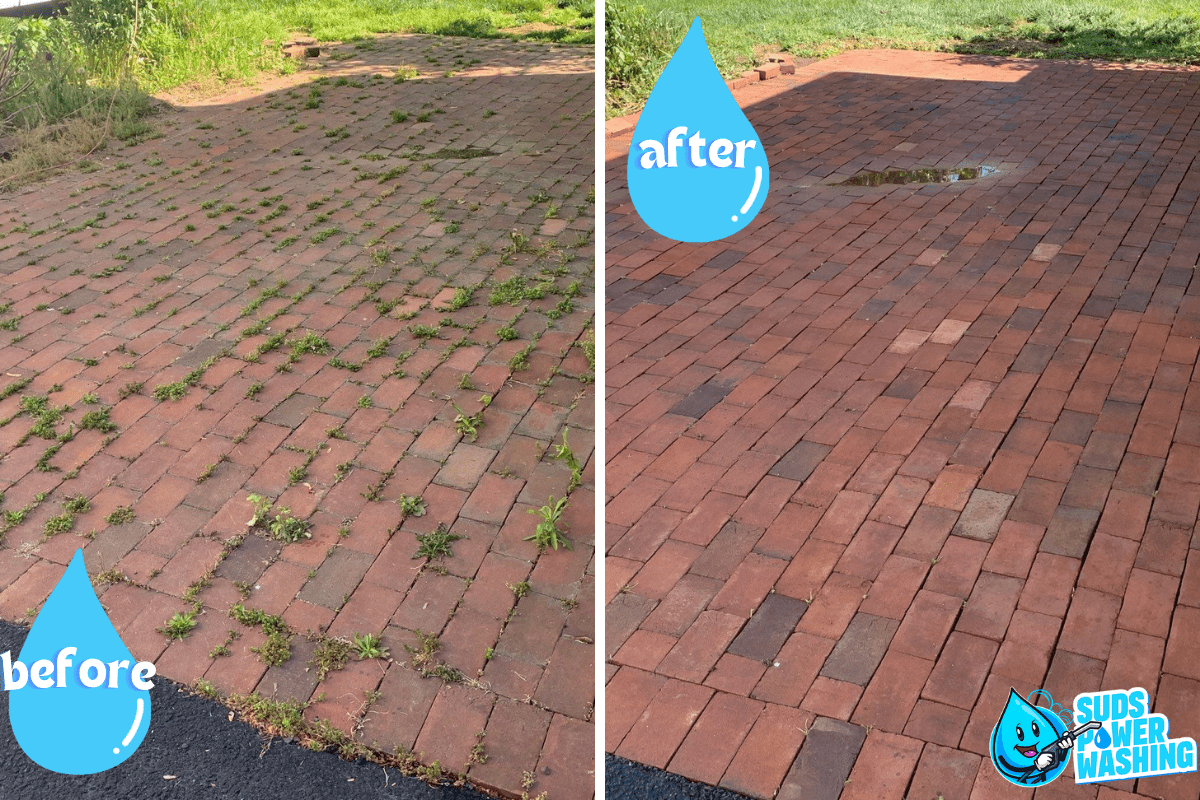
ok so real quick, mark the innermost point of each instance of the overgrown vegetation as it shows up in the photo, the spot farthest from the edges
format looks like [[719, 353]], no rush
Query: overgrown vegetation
[[84, 76]]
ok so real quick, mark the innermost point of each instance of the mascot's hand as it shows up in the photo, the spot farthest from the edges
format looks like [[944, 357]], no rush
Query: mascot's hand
[[1044, 761]]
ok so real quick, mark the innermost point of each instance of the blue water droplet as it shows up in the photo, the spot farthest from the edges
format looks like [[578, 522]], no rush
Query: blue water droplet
[[74, 729], [1022, 732], [1102, 738], [688, 202]]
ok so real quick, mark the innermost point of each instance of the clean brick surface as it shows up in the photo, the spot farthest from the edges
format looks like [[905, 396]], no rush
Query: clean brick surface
[[933, 441], [203, 257]]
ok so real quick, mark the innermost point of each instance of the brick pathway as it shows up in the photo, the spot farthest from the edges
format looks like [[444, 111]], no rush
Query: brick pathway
[[891, 451], [294, 293]]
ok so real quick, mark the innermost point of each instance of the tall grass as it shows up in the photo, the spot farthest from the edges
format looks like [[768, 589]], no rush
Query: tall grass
[[95, 65], [738, 32]]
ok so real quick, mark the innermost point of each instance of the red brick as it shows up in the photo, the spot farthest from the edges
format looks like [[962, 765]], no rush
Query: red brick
[[1090, 623], [699, 648], [735, 674], [788, 678], [957, 567], [1183, 646], [715, 738], [884, 768], [834, 606], [514, 736], [848, 511], [668, 718], [809, 569], [832, 698], [1177, 699], [748, 585], [766, 754], [864, 557], [626, 697], [937, 723], [1148, 603], [569, 743], [892, 692], [448, 735], [927, 624], [1109, 561], [1014, 549], [664, 569], [1026, 651], [944, 771], [961, 670], [1135, 660], [952, 487], [990, 605]]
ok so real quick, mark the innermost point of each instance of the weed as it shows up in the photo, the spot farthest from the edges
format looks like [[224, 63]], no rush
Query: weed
[[110, 576], [424, 658], [519, 589], [461, 299], [330, 654], [179, 625], [468, 425], [563, 452], [513, 291], [370, 645], [424, 331], [547, 534], [411, 506], [276, 650], [97, 420], [120, 516], [436, 544], [61, 523], [283, 527]]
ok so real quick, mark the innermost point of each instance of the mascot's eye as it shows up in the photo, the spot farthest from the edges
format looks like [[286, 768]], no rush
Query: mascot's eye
[[1036, 732], [1020, 734]]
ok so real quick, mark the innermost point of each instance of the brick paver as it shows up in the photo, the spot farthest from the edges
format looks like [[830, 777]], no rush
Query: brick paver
[[303, 291], [892, 450]]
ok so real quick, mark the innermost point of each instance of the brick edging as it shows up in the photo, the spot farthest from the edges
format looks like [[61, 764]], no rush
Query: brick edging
[[777, 64]]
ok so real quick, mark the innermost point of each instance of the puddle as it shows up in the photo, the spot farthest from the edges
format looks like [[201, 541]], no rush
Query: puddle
[[901, 176]]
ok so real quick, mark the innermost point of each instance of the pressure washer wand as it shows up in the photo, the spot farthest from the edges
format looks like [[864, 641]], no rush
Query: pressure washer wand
[[1060, 753]]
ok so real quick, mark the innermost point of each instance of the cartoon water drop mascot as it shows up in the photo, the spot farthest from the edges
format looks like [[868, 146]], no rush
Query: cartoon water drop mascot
[[1030, 744]]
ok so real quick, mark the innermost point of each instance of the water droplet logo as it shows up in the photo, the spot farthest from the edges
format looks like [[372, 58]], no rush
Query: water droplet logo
[[70, 727], [1024, 733], [1103, 739], [697, 171]]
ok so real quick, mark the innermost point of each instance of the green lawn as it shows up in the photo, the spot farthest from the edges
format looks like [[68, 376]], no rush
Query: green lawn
[[225, 25], [186, 41], [737, 31]]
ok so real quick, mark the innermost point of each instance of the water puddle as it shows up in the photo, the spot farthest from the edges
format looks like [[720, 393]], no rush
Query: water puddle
[[903, 176]]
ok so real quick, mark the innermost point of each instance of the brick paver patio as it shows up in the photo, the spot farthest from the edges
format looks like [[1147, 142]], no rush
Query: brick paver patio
[[295, 292], [891, 451]]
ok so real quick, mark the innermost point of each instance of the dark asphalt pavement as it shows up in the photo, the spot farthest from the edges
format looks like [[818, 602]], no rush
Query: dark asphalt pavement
[[628, 780], [192, 739]]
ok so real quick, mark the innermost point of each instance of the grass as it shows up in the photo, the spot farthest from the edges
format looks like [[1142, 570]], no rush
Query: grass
[[97, 84], [641, 40]]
